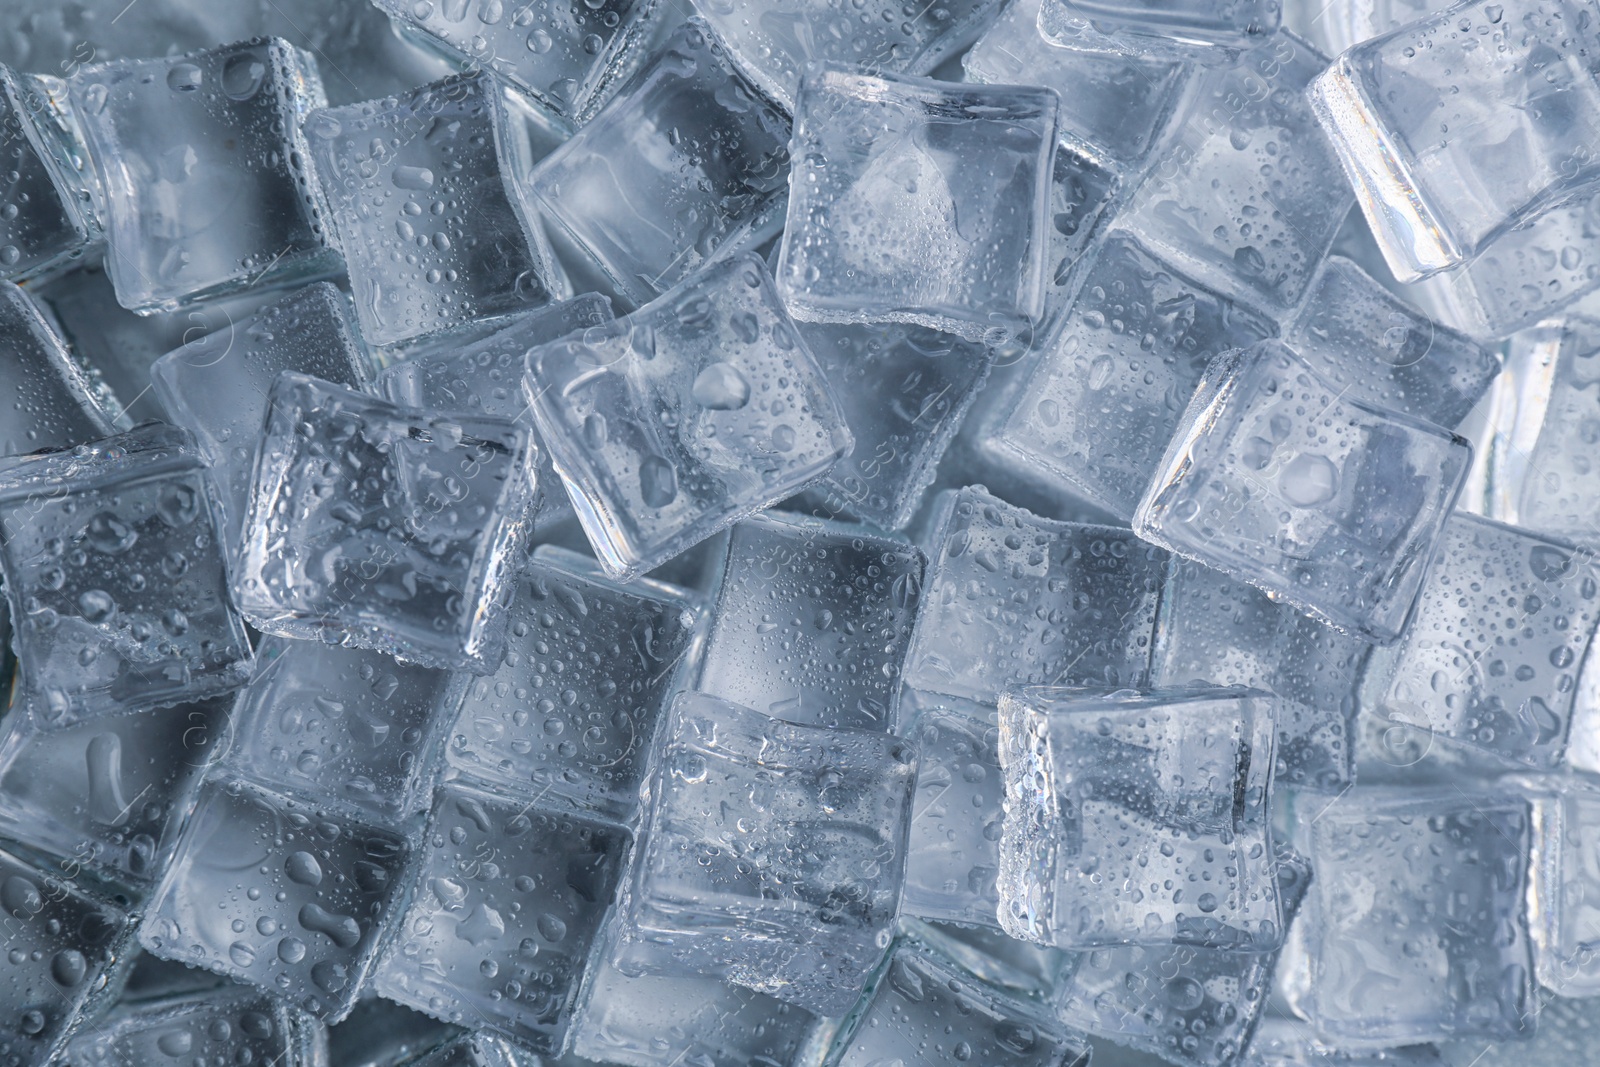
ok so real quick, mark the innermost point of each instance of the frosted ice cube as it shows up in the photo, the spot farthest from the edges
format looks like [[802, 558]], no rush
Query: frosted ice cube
[[1014, 598], [114, 573], [385, 527], [423, 193], [1279, 478], [679, 420], [291, 893], [590, 664], [771, 854], [813, 621], [216, 385], [507, 900], [1137, 818], [1457, 127], [687, 162], [204, 171]]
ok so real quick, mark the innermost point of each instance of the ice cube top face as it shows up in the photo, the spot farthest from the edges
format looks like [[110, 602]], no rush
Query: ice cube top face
[[115, 579], [63, 949], [1247, 194], [278, 890], [1491, 659], [1562, 479], [775, 43], [904, 390], [559, 53], [384, 527], [1453, 128], [639, 1020], [813, 622], [507, 900], [686, 161], [953, 857], [225, 1026], [573, 709], [1138, 818], [683, 418], [884, 168], [1280, 479], [1013, 598], [1220, 631], [53, 408], [1238, 22], [46, 225], [1357, 334], [1120, 101], [1406, 951], [421, 192], [771, 854], [1107, 392], [206, 188], [341, 722], [108, 795], [1191, 1006], [1566, 925], [216, 386], [484, 377], [927, 1009]]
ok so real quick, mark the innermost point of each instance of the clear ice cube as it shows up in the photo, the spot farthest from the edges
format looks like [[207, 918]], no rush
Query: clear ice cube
[[228, 1026]]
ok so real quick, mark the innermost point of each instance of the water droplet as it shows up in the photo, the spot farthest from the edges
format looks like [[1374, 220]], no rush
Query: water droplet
[[242, 76], [419, 179], [540, 42], [176, 1043], [179, 505], [242, 955], [303, 867], [783, 437], [1549, 564], [1308, 480], [551, 928], [9, 254], [330, 976], [291, 950], [103, 755], [1184, 993], [658, 482], [96, 605], [342, 930], [184, 78], [108, 534], [68, 967], [720, 387]]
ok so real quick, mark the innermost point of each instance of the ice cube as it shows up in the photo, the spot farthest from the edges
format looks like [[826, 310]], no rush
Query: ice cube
[[1278, 478], [1189, 22], [918, 201], [290, 892], [1556, 494], [423, 193], [1014, 598], [687, 163], [673, 423], [54, 404], [216, 385], [230, 1025], [590, 665], [49, 218], [114, 573], [1449, 141], [385, 527], [204, 173], [813, 621], [1565, 876], [1138, 818], [507, 899], [770, 854]]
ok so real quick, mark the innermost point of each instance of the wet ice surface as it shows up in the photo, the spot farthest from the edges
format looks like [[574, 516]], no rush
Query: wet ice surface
[[799, 533]]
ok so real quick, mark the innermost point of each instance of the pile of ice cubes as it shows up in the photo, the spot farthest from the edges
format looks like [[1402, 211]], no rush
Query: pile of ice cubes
[[800, 533]]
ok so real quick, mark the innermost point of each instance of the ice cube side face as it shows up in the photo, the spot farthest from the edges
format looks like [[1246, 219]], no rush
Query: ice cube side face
[[1566, 923], [771, 854], [560, 54], [1444, 940], [776, 44], [216, 386], [1282, 480], [52, 221], [924, 1005], [813, 622], [918, 201], [1491, 660], [688, 162], [576, 705], [114, 573], [205, 175], [215, 1027], [1235, 23], [1556, 496], [55, 406], [421, 192], [508, 898], [1104, 398], [384, 527], [750, 418], [282, 891], [1012, 596], [64, 950], [1457, 127], [1138, 818]]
